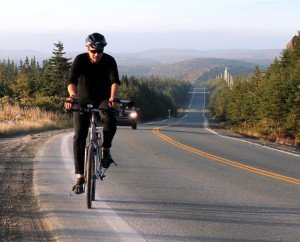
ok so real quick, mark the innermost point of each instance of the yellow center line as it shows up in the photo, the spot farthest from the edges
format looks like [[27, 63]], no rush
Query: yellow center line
[[226, 161]]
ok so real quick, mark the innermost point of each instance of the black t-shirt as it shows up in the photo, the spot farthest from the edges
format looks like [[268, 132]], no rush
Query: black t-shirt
[[93, 80]]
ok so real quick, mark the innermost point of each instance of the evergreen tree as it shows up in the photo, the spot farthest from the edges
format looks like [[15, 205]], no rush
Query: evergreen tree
[[8, 74], [56, 71]]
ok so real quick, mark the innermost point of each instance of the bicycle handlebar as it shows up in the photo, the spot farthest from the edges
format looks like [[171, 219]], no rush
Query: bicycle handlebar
[[88, 107], [88, 110], [75, 101]]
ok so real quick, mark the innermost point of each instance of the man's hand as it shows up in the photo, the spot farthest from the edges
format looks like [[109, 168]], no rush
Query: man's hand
[[69, 102], [114, 103]]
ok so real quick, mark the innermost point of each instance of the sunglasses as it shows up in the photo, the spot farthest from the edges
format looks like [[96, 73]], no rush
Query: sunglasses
[[96, 51]]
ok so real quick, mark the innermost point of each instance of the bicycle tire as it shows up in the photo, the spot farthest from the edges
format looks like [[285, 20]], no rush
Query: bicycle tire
[[94, 178], [89, 176]]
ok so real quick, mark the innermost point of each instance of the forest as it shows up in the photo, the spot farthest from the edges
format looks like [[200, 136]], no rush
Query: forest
[[267, 104]]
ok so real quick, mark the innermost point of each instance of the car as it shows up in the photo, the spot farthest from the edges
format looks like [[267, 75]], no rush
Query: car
[[127, 114]]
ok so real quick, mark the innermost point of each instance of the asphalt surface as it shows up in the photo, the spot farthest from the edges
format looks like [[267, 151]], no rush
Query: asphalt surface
[[176, 180]]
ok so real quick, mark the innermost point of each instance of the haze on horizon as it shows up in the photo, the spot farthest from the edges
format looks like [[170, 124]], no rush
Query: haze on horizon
[[136, 25]]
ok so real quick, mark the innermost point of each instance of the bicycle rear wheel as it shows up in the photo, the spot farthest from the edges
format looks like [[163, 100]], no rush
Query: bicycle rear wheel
[[90, 176]]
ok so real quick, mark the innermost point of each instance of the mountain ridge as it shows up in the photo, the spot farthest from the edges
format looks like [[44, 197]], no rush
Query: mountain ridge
[[167, 56], [156, 56], [193, 69]]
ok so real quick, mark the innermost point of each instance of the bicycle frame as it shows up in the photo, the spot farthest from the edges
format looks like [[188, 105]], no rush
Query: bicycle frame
[[94, 139]]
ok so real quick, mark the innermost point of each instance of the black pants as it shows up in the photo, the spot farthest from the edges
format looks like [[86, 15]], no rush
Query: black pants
[[81, 125]]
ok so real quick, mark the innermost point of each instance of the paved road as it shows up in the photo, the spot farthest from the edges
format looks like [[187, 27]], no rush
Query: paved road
[[176, 180]]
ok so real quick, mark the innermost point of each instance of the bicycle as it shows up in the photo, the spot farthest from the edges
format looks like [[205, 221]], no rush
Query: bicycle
[[93, 169]]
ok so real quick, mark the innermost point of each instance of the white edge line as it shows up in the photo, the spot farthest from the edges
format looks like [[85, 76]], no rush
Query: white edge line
[[253, 143]]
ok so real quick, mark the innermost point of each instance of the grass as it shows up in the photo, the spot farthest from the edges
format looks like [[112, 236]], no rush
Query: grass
[[267, 135], [15, 119]]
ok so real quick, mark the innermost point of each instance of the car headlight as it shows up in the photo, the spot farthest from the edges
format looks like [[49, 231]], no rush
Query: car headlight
[[133, 114]]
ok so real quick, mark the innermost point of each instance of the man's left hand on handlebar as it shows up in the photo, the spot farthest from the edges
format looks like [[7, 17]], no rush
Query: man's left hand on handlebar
[[114, 103], [69, 102]]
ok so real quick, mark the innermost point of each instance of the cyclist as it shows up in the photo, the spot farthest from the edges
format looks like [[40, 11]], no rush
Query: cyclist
[[93, 78]]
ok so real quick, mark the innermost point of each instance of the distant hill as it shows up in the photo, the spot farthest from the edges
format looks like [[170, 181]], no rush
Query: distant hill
[[192, 65], [160, 56], [195, 69], [169, 56]]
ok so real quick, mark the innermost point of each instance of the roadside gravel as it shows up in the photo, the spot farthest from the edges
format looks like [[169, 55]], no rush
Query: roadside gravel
[[20, 215]]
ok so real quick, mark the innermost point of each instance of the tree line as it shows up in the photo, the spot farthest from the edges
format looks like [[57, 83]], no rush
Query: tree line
[[268, 102], [155, 96], [30, 84]]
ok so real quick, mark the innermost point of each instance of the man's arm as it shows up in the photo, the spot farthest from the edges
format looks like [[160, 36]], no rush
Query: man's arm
[[114, 91], [72, 90], [73, 93], [114, 94]]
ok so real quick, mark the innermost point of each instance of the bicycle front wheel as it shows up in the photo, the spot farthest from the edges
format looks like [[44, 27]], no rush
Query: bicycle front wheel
[[94, 179], [90, 177]]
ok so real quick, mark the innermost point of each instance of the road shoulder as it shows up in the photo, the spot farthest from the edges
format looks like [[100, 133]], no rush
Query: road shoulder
[[21, 216], [221, 130]]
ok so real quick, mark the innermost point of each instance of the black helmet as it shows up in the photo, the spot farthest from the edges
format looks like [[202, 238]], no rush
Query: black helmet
[[96, 41]]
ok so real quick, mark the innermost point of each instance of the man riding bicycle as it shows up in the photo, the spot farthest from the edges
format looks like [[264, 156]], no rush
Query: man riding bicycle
[[93, 79]]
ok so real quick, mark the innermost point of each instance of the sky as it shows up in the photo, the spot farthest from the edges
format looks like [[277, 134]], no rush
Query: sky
[[136, 25]]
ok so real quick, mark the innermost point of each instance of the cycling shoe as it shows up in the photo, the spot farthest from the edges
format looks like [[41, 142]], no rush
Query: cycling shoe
[[106, 160], [78, 188]]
